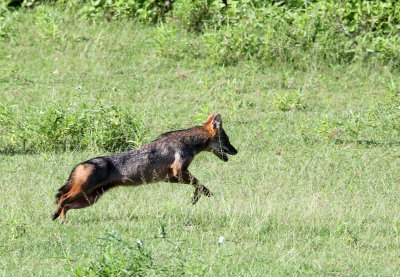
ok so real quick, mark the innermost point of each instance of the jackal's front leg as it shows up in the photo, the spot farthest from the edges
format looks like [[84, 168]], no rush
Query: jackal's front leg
[[185, 177], [200, 189]]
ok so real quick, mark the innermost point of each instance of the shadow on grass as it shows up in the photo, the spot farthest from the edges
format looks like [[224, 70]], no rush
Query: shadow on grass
[[87, 219], [368, 142]]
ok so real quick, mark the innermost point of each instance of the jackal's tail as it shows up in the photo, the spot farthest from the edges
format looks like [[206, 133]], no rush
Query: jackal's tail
[[64, 189]]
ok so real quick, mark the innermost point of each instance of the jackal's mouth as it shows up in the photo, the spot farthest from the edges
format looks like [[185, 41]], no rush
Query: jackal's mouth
[[221, 154]]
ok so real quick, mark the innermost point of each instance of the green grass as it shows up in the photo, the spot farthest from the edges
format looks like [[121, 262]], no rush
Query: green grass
[[298, 199]]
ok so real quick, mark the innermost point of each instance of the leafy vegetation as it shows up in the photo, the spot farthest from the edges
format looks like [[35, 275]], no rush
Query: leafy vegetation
[[303, 33], [76, 126]]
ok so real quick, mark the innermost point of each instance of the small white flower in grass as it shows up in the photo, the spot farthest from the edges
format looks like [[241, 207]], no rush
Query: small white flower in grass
[[221, 240], [139, 244], [79, 87], [351, 112], [41, 112]]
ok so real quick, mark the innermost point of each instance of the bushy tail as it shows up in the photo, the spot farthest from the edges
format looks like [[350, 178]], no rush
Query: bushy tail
[[64, 189]]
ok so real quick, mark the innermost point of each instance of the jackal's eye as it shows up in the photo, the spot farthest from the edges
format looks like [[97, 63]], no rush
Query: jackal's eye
[[223, 138]]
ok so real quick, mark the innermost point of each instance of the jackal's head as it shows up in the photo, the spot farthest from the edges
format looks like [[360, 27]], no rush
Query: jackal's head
[[219, 141]]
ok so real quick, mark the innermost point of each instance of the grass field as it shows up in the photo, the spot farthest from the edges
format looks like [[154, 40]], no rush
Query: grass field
[[313, 191]]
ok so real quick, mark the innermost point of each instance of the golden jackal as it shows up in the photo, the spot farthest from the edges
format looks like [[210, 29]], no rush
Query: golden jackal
[[165, 159]]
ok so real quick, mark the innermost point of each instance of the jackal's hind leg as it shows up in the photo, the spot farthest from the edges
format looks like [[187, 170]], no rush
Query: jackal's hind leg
[[78, 203], [82, 201], [59, 207]]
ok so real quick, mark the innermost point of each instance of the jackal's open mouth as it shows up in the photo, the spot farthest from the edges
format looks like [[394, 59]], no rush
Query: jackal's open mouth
[[221, 154], [224, 157]]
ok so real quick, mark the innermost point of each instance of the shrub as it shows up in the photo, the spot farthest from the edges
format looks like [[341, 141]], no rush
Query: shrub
[[6, 21], [145, 10], [303, 33], [69, 127], [197, 15]]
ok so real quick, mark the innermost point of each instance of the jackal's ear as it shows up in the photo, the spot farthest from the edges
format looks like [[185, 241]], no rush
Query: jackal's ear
[[209, 119], [217, 122], [213, 123]]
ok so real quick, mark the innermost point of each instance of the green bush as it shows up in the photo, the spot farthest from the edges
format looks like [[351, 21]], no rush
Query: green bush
[[320, 31], [69, 127], [303, 33], [197, 15], [6, 21], [145, 10]]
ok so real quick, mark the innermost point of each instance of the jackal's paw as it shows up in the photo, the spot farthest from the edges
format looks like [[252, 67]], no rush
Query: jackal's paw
[[207, 192], [54, 216]]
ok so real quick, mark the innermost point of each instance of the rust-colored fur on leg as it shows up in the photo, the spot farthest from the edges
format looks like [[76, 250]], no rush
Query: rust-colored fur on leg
[[78, 203], [75, 186]]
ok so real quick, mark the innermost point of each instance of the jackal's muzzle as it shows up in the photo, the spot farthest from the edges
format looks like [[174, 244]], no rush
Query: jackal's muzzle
[[224, 150]]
